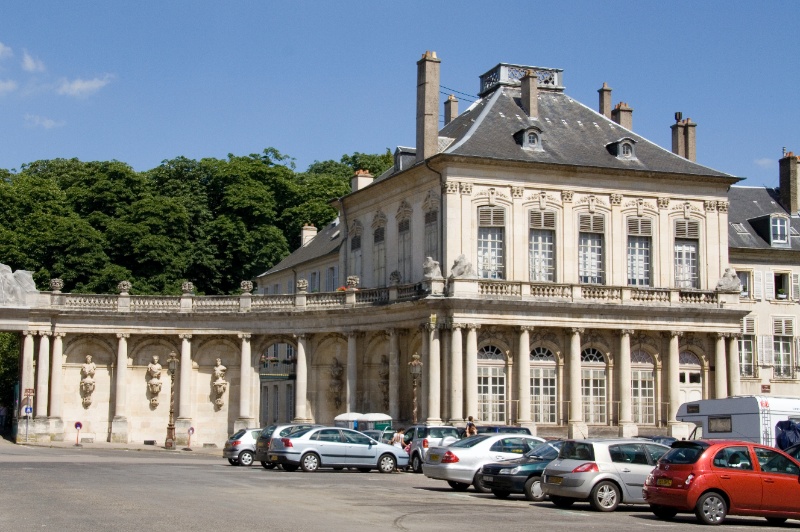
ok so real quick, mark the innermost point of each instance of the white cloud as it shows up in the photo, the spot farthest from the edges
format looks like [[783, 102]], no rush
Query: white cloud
[[7, 86], [5, 51], [30, 63], [83, 87], [766, 163], [40, 121]]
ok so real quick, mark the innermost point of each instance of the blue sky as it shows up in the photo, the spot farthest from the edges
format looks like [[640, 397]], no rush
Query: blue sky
[[145, 81]]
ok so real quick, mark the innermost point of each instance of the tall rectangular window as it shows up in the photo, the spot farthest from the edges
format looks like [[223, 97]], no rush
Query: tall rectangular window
[[492, 394], [590, 249], [747, 362], [544, 394], [379, 257], [289, 402], [313, 282], [643, 396], [639, 245], [541, 246], [432, 234], [404, 250], [491, 236], [783, 331], [355, 255], [780, 230], [687, 235], [593, 391], [331, 278]]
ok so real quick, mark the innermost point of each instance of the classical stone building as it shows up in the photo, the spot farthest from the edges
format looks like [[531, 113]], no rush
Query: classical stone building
[[551, 267]]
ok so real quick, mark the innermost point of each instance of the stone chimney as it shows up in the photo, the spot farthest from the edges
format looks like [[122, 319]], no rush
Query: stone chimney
[[530, 94], [360, 179], [307, 234], [427, 106], [450, 109], [623, 115], [605, 100], [789, 182], [684, 137]]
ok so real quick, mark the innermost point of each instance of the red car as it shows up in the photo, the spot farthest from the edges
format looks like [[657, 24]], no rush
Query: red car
[[716, 478]]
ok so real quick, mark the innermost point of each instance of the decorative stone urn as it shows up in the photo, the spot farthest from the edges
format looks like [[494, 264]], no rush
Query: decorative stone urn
[[188, 288], [302, 285], [124, 287], [56, 285], [246, 286]]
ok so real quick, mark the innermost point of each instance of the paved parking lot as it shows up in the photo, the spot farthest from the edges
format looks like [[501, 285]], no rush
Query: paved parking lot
[[130, 488]]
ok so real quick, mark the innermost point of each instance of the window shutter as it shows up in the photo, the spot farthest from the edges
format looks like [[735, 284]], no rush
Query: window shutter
[[640, 226], [687, 229], [491, 217], [765, 350], [795, 286], [749, 325], [758, 284], [543, 220], [592, 223], [769, 286], [783, 326]]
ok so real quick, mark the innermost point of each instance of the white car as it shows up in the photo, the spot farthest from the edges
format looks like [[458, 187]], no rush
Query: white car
[[460, 463]]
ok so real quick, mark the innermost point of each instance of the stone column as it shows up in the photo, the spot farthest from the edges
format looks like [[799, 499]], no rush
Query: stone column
[[245, 419], [627, 428], [675, 429], [301, 383], [394, 375], [352, 372], [119, 425], [184, 420], [577, 427], [422, 389], [56, 385], [733, 365], [456, 375], [523, 364], [434, 377], [42, 376], [720, 367], [27, 377], [471, 371]]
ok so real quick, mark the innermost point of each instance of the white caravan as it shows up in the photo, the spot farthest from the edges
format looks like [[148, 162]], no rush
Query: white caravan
[[743, 417]]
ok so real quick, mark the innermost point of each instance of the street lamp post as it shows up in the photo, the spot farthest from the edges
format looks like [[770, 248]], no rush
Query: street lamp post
[[172, 368], [416, 371]]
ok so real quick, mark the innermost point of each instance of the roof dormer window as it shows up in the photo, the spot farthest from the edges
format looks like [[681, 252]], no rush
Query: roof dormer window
[[779, 231], [530, 138], [623, 148]]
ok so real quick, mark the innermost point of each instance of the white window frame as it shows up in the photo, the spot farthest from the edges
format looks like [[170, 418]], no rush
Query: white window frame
[[779, 230], [432, 234], [491, 243]]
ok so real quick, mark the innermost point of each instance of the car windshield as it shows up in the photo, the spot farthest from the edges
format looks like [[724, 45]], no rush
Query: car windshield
[[298, 433], [683, 453], [267, 432], [548, 451], [442, 432], [573, 450], [238, 434], [472, 441]]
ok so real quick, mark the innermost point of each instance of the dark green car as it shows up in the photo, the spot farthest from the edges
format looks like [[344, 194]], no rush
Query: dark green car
[[522, 475]]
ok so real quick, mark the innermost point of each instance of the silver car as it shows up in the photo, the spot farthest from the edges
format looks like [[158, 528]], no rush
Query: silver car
[[605, 472], [241, 447], [337, 448], [418, 438]]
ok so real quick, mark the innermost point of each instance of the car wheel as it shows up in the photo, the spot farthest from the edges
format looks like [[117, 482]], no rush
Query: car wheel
[[664, 513], [387, 464], [233, 461], [246, 458], [561, 502], [478, 484], [605, 496], [776, 521], [501, 494], [365, 469], [533, 489], [711, 508], [268, 465], [291, 468], [458, 486], [310, 462], [416, 463]]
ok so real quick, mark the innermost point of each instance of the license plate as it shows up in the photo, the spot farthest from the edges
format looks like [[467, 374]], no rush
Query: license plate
[[273, 458], [554, 480], [487, 478], [434, 457], [664, 482]]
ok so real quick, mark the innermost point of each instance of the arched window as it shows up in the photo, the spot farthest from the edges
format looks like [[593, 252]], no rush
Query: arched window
[[544, 389], [643, 388], [593, 386], [491, 385]]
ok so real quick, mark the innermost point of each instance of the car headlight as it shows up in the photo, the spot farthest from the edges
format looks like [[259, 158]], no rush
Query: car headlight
[[507, 471]]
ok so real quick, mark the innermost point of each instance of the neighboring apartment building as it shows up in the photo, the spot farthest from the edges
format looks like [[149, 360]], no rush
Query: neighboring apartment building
[[764, 247]]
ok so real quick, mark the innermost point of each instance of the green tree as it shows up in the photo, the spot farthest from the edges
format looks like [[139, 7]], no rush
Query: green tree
[[9, 367]]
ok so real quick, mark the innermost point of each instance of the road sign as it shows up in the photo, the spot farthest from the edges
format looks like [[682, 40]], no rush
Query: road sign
[[78, 425], [28, 410], [29, 392], [191, 430]]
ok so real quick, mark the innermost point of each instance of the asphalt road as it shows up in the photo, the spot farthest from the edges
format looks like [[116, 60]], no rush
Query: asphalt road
[[89, 489]]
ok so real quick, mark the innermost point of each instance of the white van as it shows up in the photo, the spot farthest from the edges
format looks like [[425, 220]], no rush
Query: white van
[[746, 417]]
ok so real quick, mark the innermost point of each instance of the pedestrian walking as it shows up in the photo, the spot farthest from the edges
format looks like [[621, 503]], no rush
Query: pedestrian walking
[[472, 430]]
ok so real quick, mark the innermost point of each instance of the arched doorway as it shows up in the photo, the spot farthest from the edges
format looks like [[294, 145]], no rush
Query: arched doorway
[[643, 385], [544, 386], [491, 385]]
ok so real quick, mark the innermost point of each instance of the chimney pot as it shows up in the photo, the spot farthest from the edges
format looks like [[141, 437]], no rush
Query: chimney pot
[[360, 179], [427, 106], [530, 94], [450, 109], [605, 100], [623, 115], [307, 234], [789, 183]]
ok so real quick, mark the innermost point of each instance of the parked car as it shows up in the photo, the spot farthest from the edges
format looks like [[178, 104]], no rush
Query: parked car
[[419, 438], [240, 448], [793, 451], [605, 472], [383, 436], [460, 463], [717, 478], [262, 445], [335, 447], [522, 475], [502, 429], [663, 440]]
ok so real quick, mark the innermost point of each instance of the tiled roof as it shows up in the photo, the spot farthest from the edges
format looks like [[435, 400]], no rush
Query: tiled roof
[[326, 242], [752, 203]]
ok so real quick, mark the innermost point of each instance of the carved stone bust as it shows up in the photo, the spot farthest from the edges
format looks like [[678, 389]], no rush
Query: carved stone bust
[[729, 282], [431, 269]]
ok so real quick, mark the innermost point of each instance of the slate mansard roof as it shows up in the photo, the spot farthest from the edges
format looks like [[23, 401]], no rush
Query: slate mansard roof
[[748, 204], [326, 242]]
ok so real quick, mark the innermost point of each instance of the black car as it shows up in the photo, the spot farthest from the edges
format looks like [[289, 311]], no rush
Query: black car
[[522, 475], [502, 429]]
